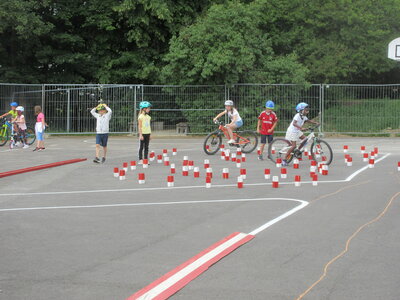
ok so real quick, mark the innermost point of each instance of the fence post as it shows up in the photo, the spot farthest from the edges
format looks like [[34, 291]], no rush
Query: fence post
[[43, 95], [134, 110], [68, 109], [321, 105]]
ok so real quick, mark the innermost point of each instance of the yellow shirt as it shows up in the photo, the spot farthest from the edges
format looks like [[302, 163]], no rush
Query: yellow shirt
[[145, 118]]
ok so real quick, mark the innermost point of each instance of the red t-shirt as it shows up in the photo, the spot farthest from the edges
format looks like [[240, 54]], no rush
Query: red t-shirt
[[267, 121]]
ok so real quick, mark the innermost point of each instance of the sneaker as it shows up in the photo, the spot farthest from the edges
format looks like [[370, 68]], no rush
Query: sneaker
[[36, 149], [25, 147], [96, 160], [231, 141], [103, 160], [260, 157], [17, 143]]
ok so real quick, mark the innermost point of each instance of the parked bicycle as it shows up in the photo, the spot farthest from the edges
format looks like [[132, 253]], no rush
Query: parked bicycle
[[247, 140], [320, 150], [7, 133]]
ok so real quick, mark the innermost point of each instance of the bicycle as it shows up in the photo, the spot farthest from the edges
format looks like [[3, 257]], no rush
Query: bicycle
[[7, 133], [247, 140], [321, 151]]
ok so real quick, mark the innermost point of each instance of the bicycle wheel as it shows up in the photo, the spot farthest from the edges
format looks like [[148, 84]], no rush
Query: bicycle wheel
[[212, 143], [30, 136], [3, 136], [247, 140], [322, 152], [278, 149]]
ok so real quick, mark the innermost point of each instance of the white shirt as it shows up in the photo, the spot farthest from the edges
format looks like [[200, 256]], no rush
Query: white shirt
[[103, 121], [300, 122], [233, 114]]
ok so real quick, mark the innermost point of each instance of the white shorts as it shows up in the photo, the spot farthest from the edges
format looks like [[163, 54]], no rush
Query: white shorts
[[293, 136]]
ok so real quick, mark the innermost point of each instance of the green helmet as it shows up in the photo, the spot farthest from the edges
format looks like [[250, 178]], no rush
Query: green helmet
[[144, 104], [100, 107]]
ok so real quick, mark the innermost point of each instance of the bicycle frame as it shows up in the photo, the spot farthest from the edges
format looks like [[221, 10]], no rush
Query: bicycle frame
[[241, 141]]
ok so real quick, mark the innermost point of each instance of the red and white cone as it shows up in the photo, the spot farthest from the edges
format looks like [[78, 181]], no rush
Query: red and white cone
[[116, 172], [279, 162], [320, 164], [172, 169], [209, 172], [206, 164], [196, 172], [283, 173], [145, 163], [159, 159], [306, 152], [125, 166], [313, 169], [372, 155], [346, 157], [398, 166], [349, 161], [376, 150], [314, 163], [371, 163], [238, 163], [166, 161], [295, 163], [324, 169], [141, 178], [227, 156], [225, 173], [273, 151], [362, 148], [174, 152], [258, 151], [152, 156], [222, 147], [185, 171], [238, 152], [191, 165], [170, 181], [267, 173], [133, 165], [345, 148], [233, 157], [297, 180], [243, 157], [185, 160], [240, 182], [275, 181], [208, 182], [243, 173], [165, 152], [315, 180], [365, 157], [222, 154], [121, 174]]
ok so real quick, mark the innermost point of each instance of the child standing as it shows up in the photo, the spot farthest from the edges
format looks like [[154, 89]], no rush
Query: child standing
[[144, 129], [102, 113], [21, 124], [236, 120], [40, 126], [267, 121]]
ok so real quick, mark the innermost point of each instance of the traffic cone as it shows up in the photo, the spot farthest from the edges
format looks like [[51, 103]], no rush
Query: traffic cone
[[372, 155], [238, 163], [196, 172], [324, 169], [365, 157], [116, 172], [283, 173], [346, 157], [152, 156], [305, 152], [170, 181], [141, 178], [209, 172], [376, 152], [227, 156], [345, 148], [295, 163], [238, 152], [398, 166], [121, 174], [362, 148], [243, 157], [145, 163], [159, 159], [273, 150], [165, 152], [225, 173], [208, 182], [240, 182], [371, 162], [267, 173], [166, 161], [279, 162], [191, 164], [297, 180], [233, 157], [243, 173], [206, 164], [312, 171], [258, 151], [185, 160], [349, 161], [315, 180], [133, 165], [314, 163], [172, 169], [174, 152], [185, 171], [125, 166], [221, 147], [275, 181], [222, 154]]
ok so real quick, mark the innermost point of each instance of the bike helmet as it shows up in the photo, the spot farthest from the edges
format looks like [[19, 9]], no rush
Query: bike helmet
[[270, 104], [144, 104], [20, 108], [301, 106], [13, 103], [229, 103], [100, 107]]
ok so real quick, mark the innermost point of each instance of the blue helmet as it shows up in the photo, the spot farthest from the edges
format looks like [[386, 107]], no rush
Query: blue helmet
[[14, 104], [270, 104], [144, 104], [301, 106]]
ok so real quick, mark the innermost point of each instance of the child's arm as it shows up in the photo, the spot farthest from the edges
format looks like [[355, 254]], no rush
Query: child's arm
[[4, 115], [273, 126], [297, 126], [259, 126], [94, 113], [140, 129], [219, 115]]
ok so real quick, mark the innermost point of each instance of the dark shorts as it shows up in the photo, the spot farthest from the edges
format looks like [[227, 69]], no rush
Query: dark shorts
[[264, 138], [102, 139]]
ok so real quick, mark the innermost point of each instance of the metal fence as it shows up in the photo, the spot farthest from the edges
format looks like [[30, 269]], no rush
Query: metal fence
[[347, 109]]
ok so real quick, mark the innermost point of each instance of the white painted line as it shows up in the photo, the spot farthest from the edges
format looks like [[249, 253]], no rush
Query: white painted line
[[349, 178]]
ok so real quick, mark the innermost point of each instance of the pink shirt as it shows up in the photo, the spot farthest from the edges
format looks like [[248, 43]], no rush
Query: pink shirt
[[40, 117]]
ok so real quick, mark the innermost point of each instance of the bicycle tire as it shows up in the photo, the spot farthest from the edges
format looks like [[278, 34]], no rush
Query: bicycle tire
[[248, 147], [278, 154], [315, 156], [30, 136], [3, 136], [216, 139]]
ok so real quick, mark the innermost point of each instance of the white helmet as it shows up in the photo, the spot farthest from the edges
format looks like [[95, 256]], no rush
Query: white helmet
[[20, 108], [229, 102]]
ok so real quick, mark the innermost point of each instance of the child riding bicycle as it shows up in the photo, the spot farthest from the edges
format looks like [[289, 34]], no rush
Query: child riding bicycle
[[20, 133], [236, 120], [267, 121], [12, 113], [295, 130]]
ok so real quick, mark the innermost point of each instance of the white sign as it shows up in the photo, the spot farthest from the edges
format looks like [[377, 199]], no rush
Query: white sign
[[394, 49]]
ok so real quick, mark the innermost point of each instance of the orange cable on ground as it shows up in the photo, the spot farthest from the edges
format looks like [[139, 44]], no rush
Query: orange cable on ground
[[347, 246]]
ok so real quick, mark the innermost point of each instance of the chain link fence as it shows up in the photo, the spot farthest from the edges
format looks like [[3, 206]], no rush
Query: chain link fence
[[342, 109]]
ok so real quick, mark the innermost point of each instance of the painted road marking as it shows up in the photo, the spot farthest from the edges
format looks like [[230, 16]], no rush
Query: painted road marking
[[349, 178]]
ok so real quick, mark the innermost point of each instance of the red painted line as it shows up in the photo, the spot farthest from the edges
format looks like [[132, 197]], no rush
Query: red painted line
[[41, 167], [196, 272]]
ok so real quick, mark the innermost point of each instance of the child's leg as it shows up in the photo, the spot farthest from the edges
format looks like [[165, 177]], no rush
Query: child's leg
[[230, 129], [104, 151], [141, 146], [146, 142], [290, 150], [97, 150], [262, 143]]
